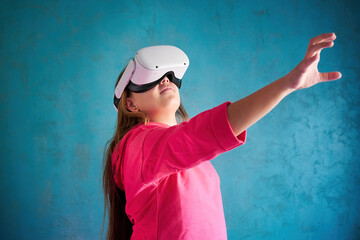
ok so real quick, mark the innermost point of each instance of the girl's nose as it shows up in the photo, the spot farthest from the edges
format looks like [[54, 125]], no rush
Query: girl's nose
[[165, 79]]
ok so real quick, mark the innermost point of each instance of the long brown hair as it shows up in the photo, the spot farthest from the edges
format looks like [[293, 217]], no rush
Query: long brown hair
[[120, 226]]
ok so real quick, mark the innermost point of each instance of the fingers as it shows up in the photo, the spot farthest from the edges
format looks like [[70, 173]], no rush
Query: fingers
[[325, 37], [319, 42], [316, 49], [330, 76]]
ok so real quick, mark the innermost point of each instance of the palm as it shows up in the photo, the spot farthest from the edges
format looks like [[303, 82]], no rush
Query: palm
[[306, 73]]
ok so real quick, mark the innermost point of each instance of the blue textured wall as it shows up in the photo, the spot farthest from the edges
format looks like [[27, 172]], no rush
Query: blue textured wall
[[297, 177]]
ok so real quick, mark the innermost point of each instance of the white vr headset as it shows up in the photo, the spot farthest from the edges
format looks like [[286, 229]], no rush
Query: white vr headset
[[149, 67]]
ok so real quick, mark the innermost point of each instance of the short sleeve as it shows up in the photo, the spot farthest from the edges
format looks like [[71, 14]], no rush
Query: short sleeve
[[222, 129]]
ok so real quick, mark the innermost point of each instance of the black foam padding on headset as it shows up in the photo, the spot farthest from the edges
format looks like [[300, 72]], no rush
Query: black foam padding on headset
[[116, 101], [145, 87]]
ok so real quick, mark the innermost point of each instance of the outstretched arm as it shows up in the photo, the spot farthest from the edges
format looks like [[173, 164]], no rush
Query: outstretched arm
[[247, 111]]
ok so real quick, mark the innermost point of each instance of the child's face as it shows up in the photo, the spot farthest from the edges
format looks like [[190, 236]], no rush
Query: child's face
[[156, 102]]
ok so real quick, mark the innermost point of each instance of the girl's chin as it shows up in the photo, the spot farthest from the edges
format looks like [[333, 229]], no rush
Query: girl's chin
[[171, 103]]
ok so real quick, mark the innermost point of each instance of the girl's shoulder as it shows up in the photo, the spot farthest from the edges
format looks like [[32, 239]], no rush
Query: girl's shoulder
[[142, 129]]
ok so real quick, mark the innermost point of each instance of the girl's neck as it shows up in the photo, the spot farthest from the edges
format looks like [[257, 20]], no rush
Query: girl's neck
[[169, 121]]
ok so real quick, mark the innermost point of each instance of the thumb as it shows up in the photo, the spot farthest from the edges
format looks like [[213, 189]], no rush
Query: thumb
[[330, 76]]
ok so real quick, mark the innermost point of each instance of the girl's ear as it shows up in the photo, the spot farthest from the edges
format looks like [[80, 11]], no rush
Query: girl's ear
[[131, 106]]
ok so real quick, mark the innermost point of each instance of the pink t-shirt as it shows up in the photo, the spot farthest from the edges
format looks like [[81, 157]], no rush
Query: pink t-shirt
[[172, 190]]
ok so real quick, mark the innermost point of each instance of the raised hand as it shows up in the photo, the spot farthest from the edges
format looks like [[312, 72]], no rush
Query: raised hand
[[306, 73]]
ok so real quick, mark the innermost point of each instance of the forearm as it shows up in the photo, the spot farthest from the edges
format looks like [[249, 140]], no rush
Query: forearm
[[244, 113]]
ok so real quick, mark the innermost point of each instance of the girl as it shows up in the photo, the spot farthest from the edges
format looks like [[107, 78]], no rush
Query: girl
[[158, 180]]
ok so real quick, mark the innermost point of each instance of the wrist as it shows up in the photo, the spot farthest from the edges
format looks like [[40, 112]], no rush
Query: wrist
[[285, 84]]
